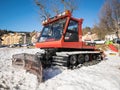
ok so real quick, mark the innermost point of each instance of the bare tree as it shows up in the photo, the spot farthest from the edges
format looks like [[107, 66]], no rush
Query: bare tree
[[86, 30], [49, 7], [55, 6], [109, 16], [42, 7], [69, 5]]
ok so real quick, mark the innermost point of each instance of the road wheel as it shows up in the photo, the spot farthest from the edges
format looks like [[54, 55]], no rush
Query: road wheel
[[87, 58], [81, 59], [94, 57], [73, 59]]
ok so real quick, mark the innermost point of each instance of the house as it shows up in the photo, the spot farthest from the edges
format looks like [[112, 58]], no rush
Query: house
[[13, 38], [90, 37], [112, 36]]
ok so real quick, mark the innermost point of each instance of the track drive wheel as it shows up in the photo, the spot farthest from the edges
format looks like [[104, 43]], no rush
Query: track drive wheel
[[81, 59]]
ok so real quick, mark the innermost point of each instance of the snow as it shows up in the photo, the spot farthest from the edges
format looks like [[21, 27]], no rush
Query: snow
[[12, 78], [104, 75]]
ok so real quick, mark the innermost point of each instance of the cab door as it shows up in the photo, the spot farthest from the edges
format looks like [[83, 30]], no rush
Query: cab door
[[71, 34]]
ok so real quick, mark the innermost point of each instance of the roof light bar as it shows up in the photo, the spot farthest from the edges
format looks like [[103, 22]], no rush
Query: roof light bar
[[67, 12]]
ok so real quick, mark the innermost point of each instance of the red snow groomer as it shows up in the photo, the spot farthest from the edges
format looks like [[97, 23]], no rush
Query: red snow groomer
[[61, 39]]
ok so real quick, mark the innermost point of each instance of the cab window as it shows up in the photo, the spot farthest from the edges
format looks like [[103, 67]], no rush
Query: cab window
[[72, 32]]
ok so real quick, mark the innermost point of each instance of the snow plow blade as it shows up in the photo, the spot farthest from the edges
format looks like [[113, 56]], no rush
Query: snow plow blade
[[29, 62]]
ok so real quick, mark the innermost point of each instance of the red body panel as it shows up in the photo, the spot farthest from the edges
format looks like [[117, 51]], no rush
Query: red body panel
[[50, 44], [60, 44]]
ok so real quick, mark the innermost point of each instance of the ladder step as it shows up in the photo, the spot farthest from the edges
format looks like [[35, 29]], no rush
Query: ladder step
[[59, 64], [59, 60]]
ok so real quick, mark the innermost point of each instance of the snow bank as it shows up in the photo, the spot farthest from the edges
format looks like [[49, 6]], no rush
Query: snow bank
[[102, 76], [12, 78]]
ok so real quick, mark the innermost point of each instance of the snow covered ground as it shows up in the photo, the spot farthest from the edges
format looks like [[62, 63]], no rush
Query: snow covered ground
[[102, 76]]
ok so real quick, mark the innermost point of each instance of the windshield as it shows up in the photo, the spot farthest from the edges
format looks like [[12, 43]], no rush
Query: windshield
[[53, 31]]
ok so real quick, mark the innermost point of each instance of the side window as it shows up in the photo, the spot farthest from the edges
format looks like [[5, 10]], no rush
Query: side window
[[72, 32]]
